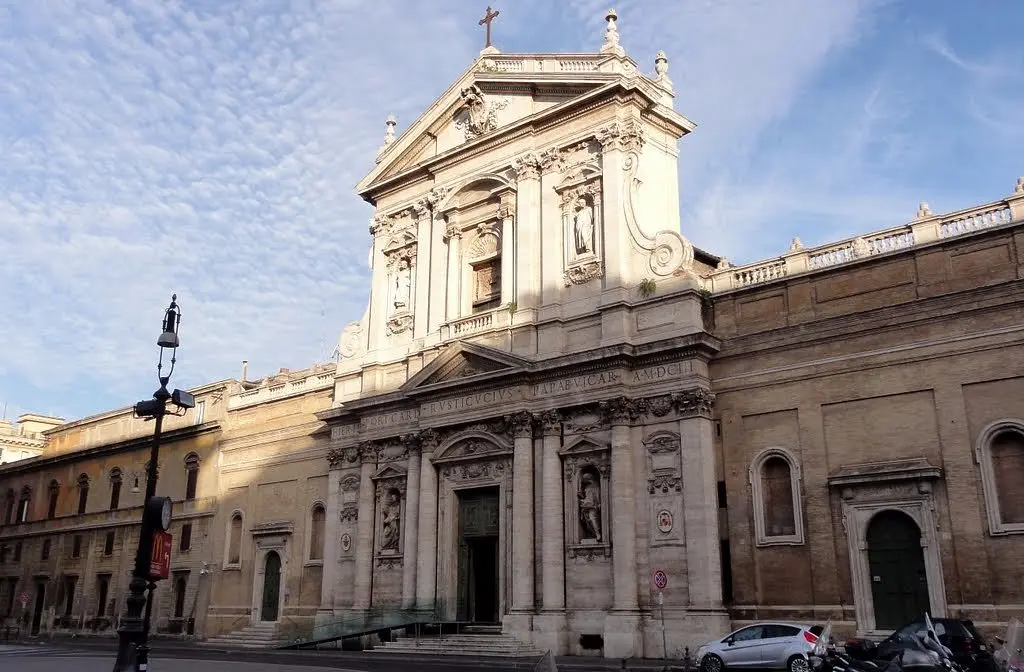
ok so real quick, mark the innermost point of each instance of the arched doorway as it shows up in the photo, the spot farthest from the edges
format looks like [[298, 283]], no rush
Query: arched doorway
[[271, 587], [899, 583]]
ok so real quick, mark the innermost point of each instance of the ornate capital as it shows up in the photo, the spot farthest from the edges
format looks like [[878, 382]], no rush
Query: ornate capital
[[520, 424], [429, 440], [551, 160], [436, 195], [527, 166], [380, 225], [421, 210], [550, 422], [368, 451], [335, 458], [627, 135], [452, 231], [622, 411], [411, 442], [697, 401]]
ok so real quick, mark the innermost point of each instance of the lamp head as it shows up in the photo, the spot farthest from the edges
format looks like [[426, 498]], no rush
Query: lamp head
[[172, 316]]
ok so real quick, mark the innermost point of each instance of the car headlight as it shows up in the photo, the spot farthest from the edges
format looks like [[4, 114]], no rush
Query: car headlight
[[701, 652]]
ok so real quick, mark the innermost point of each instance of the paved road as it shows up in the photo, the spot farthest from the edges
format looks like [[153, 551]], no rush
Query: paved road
[[98, 656]]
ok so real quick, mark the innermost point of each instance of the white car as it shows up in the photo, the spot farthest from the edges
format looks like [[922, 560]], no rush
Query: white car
[[772, 646]]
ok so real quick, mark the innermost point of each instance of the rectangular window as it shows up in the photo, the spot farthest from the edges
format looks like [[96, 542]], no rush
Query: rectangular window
[[102, 586], [23, 511], [8, 511], [115, 494], [108, 544], [190, 484], [69, 593], [46, 549], [200, 412], [723, 502], [17, 551], [76, 546], [3, 554], [12, 586], [185, 540]]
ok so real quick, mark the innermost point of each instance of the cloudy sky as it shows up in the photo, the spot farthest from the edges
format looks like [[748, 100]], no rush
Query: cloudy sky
[[210, 148]]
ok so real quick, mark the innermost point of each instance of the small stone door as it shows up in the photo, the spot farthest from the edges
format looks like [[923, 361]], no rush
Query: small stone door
[[899, 584], [271, 587]]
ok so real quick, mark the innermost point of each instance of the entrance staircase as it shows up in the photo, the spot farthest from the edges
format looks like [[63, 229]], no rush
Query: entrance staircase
[[478, 640], [258, 636]]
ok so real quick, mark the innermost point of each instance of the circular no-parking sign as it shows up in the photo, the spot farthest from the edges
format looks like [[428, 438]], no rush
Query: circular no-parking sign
[[24, 599], [660, 579]]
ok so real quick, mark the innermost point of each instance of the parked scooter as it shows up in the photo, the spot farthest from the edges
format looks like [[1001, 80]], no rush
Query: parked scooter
[[1010, 656], [921, 654]]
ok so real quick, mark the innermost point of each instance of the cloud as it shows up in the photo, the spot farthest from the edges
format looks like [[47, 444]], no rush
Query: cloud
[[211, 149]]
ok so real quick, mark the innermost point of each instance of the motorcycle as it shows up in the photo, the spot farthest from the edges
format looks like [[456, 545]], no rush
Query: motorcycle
[[922, 653]]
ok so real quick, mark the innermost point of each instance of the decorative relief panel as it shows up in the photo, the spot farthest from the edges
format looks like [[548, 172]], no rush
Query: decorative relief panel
[[587, 470], [665, 487], [478, 114]]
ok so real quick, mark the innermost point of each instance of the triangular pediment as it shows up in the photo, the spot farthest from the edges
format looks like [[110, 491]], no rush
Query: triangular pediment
[[389, 471], [462, 361], [582, 445], [495, 95]]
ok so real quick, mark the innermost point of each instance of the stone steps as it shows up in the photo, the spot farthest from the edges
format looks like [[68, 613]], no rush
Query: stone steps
[[470, 644], [259, 636]]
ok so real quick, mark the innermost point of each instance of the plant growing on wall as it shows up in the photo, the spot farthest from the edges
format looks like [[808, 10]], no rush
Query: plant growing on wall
[[512, 307], [646, 287]]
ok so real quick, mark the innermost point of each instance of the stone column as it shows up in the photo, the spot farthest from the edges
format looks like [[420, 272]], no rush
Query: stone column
[[364, 529], [622, 626], [421, 269], [550, 628], [700, 501], [519, 621], [528, 227], [426, 543], [379, 290], [411, 531], [506, 220], [332, 525], [453, 289]]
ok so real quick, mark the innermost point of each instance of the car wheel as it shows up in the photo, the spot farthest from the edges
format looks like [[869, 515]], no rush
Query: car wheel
[[798, 664], [712, 663]]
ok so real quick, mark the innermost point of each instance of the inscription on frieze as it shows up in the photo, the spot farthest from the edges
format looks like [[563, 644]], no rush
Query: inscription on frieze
[[503, 395], [349, 431], [383, 420]]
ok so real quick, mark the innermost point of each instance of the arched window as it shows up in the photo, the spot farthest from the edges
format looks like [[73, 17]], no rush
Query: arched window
[[1000, 453], [83, 492], [115, 487], [191, 475], [51, 508], [180, 585], [234, 546], [9, 507], [775, 481], [318, 520]]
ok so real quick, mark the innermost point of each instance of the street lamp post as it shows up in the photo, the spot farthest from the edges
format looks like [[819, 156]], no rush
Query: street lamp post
[[156, 511]]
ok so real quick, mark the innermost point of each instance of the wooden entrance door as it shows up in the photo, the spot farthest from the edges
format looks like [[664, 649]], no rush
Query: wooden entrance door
[[271, 587], [899, 583], [478, 568]]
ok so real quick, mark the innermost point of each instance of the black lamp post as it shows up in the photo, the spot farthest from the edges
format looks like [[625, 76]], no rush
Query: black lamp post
[[156, 514]]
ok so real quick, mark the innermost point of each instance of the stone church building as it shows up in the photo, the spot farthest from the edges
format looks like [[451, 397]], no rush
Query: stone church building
[[558, 415]]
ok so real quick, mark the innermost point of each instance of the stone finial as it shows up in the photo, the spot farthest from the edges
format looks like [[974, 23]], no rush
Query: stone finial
[[1019, 189], [389, 135], [611, 35], [796, 245], [923, 211], [661, 70]]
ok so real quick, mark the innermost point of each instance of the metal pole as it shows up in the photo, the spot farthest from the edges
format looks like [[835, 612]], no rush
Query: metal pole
[[134, 626], [664, 646]]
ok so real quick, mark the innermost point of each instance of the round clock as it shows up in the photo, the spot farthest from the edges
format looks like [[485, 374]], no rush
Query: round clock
[[158, 511]]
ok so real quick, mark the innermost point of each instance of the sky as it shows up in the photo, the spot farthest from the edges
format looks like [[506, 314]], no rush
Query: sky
[[210, 148]]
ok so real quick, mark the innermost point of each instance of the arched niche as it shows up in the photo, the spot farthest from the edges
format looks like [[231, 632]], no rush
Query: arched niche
[[586, 467]]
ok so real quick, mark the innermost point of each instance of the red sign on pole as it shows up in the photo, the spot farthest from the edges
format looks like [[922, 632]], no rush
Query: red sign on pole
[[160, 557], [24, 599]]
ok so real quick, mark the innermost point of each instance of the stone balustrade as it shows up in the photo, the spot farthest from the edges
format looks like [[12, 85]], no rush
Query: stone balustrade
[[317, 381], [926, 228]]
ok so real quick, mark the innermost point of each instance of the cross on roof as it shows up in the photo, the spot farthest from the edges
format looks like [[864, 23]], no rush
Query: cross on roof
[[487, 20]]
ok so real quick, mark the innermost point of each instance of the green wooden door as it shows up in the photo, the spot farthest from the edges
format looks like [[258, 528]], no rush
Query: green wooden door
[[271, 587], [899, 583]]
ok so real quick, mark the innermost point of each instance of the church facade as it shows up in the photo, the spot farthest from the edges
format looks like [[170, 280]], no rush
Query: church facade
[[558, 415]]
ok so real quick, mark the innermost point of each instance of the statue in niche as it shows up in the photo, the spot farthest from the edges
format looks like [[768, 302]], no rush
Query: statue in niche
[[583, 227], [590, 506], [402, 285], [392, 521]]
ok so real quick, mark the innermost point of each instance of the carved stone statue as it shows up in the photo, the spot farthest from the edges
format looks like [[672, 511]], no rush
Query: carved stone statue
[[583, 228], [392, 523], [590, 506], [402, 284], [476, 107]]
